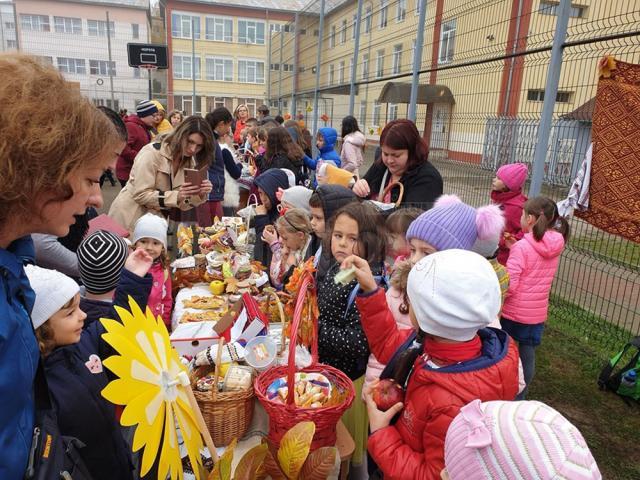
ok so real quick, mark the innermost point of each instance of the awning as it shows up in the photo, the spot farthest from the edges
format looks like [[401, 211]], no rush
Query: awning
[[584, 113], [344, 89], [397, 92]]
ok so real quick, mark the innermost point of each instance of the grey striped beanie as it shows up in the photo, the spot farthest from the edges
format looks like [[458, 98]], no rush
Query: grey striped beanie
[[101, 257], [146, 108]]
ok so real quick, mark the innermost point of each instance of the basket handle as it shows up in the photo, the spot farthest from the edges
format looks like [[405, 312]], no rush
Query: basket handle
[[307, 282], [389, 188], [216, 376], [282, 320]]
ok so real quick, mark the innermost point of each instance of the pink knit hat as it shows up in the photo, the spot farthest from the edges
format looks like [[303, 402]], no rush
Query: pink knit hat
[[513, 175], [526, 440]]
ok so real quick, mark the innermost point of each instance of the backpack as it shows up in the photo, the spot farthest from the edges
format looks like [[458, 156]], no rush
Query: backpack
[[611, 378]]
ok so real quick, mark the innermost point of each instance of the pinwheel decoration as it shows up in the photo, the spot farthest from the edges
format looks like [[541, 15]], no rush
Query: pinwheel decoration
[[154, 387]]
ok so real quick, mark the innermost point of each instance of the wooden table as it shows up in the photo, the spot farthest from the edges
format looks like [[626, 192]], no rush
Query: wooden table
[[346, 447]]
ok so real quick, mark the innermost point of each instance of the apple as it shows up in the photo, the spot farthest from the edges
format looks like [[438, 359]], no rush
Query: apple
[[387, 393]]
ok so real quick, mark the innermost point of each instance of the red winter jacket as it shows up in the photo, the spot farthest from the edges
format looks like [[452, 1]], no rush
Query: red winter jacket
[[413, 448], [139, 134], [511, 203]]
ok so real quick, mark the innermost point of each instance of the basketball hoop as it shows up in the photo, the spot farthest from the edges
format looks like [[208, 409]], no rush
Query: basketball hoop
[[148, 67]]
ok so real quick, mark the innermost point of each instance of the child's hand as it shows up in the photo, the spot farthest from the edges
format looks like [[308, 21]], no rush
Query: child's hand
[[362, 272], [269, 235], [139, 262], [377, 418], [509, 239], [361, 188]]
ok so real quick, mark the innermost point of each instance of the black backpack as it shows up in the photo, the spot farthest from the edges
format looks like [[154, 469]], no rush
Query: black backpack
[[611, 377]]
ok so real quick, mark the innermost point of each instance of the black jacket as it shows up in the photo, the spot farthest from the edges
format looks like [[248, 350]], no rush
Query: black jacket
[[75, 389], [422, 184], [269, 182], [280, 160]]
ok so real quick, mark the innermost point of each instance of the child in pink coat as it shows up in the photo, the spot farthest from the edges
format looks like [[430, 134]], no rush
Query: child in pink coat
[[506, 192], [150, 234], [532, 264]]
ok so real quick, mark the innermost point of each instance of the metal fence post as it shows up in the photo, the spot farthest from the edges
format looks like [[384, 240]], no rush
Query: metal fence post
[[280, 72], [295, 68], [318, 61], [110, 70], [550, 92], [193, 65], [417, 62], [354, 68]]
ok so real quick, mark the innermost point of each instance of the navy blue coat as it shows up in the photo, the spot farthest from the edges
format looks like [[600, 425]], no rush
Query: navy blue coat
[[75, 389], [223, 159], [18, 359]]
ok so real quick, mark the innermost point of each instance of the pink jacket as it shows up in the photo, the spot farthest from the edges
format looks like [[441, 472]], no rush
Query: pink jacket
[[394, 300], [532, 266], [160, 299], [351, 153]]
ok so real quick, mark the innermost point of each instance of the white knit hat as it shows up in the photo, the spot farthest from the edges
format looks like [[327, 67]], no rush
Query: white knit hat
[[151, 226], [526, 440], [53, 290], [453, 294], [298, 197]]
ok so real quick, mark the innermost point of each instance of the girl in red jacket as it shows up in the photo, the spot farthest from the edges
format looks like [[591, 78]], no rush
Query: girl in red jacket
[[532, 264], [450, 359], [506, 192], [150, 234]]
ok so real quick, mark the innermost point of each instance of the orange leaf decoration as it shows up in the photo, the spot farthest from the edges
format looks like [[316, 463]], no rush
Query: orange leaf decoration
[[606, 65], [310, 311]]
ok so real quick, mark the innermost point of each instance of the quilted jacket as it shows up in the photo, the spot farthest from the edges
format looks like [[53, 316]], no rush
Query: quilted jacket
[[532, 266]]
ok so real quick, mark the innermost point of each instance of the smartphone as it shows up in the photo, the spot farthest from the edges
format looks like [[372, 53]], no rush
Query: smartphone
[[192, 176]]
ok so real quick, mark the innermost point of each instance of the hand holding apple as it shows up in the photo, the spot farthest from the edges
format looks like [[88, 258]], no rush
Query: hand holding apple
[[379, 418]]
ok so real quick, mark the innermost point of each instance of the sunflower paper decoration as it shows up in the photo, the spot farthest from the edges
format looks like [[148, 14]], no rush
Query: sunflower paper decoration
[[154, 387]]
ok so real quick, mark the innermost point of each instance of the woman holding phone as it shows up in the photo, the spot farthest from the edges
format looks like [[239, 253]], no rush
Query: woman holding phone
[[157, 183]]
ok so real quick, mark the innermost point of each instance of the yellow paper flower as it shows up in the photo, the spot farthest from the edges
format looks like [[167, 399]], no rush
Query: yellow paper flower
[[151, 385], [606, 65]]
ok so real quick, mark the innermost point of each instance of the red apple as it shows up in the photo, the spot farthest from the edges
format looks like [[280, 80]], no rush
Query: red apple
[[387, 393]]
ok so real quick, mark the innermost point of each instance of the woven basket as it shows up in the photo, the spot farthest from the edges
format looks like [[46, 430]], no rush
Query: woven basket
[[227, 414], [284, 416]]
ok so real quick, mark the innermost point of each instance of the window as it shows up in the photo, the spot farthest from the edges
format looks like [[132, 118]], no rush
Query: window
[[365, 66], [331, 74], [98, 28], [343, 32], [12, 44], [9, 25], [250, 71], [38, 23], [538, 96], [447, 41], [102, 102], [182, 67], [251, 103], [68, 25], [219, 29], [181, 25], [332, 37], [551, 8], [376, 113], [353, 27], [185, 104], [367, 19], [251, 32], [384, 11], [219, 69], [393, 112], [363, 113], [101, 67], [72, 65], [401, 10], [341, 72], [397, 59], [275, 66], [135, 30], [275, 27], [380, 64]]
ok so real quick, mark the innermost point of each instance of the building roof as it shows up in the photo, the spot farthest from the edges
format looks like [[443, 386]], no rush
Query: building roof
[[584, 113], [138, 4], [285, 5]]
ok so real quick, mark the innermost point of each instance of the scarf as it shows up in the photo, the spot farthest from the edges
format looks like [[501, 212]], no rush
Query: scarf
[[452, 353]]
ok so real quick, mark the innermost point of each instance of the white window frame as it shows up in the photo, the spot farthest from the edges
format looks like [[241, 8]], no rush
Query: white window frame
[[74, 66], [365, 66], [332, 37], [343, 33], [551, 8], [251, 62], [401, 11], [353, 25], [331, 74], [384, 14], [101, 67], [184, 19], [250, 25], [70, 25], [392, 113], [379, 64], [341, 72], [182, 59], [275, 27], [216, 63], [377, 108], [368, 19], [397, 59], [446, 48], [219, 22], [363, 113], [35, 23], [98, 28]]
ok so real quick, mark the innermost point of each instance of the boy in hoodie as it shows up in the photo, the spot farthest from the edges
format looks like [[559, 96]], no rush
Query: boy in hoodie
[[326, 141], [267, 184]]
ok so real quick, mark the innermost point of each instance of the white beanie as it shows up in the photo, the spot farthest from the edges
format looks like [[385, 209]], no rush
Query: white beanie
[[453, 294], [53, 290], [151, 226], [298, 197]]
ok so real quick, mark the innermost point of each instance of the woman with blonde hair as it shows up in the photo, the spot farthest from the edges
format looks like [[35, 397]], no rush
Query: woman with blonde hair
[[157, 182], [48, 176], [240, 115]]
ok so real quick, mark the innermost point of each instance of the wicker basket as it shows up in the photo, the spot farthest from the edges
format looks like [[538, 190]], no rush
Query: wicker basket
[[284, 416], [227, 414]]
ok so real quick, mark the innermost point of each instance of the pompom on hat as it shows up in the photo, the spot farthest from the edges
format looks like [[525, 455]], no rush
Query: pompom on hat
[[513, 175], [524, 440], [53, 291]]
